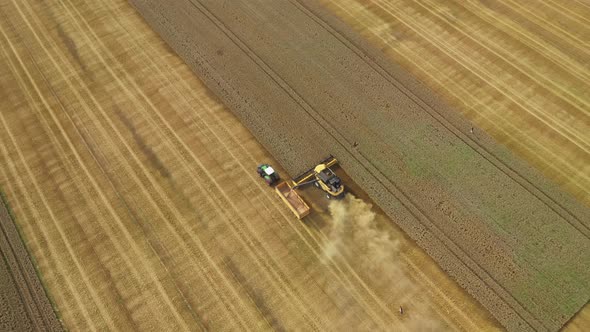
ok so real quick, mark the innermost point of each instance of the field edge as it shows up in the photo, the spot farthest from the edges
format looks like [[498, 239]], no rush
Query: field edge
[[27, 263]]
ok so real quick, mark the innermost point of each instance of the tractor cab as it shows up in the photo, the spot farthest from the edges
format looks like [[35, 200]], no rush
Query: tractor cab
[[268, 174]]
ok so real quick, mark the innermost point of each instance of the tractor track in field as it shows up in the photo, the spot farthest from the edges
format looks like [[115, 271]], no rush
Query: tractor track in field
[[130, 266], [54, 140], [122, 310], [7, 130]]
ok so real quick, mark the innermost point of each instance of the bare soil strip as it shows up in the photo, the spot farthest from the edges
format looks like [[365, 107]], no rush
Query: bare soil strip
[[306, 89], [24, 303]]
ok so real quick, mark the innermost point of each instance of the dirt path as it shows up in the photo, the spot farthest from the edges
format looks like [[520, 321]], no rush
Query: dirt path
[[296, 79], [24, 303], [136, 193]]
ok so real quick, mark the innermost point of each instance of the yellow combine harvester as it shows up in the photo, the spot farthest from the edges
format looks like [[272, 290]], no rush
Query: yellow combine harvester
[[321, 176]]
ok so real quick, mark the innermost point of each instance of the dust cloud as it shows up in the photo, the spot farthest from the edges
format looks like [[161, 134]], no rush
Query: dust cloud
[[367, 242], [355, 234]]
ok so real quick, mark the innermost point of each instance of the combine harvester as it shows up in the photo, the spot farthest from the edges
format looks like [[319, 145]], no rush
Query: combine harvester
[[321, 176]]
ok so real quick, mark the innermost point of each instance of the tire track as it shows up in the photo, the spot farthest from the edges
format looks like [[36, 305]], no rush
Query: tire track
[[53, 219], [37, 305], [582, 3], [35, 237], [573, 39], [47, 130], [504, 9], [82, 190], [96, 103], [29, 286], [563, 10], [106, 204], [542, 47], [16, 204], [560, 87], [510, 60], [489, 78], [57, 226]]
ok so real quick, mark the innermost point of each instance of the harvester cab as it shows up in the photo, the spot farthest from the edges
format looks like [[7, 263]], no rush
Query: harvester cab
[[268, 174], [322, 177], [328, 181]]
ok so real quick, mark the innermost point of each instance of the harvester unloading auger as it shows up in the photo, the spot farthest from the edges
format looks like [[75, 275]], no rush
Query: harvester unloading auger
[[321, 176]]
